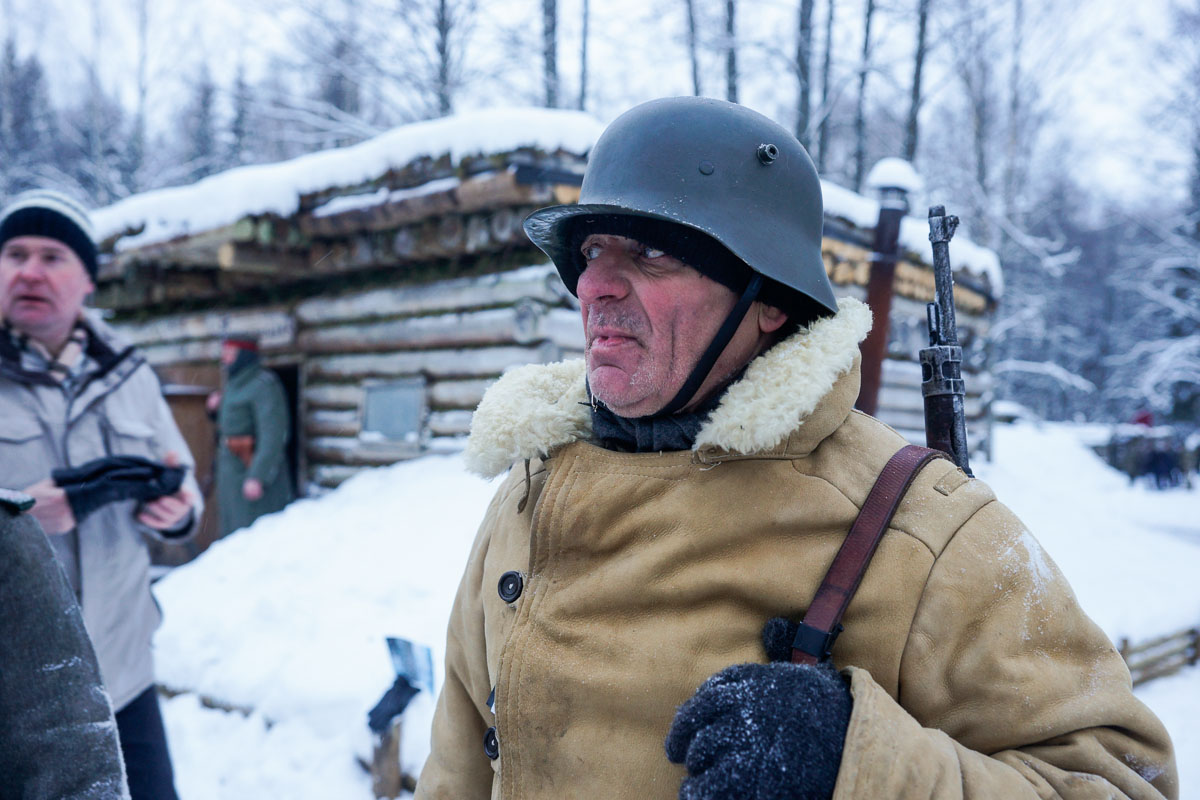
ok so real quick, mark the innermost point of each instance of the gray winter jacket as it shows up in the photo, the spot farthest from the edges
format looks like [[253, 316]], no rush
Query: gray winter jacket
[[116, 409], [58, 739]]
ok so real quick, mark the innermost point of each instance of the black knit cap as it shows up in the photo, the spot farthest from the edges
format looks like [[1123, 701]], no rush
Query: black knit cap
[[43, 212], [696, 249]]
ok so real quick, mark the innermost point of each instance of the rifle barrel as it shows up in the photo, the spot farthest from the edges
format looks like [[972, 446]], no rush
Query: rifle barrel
[[941, 231], [941, 363]]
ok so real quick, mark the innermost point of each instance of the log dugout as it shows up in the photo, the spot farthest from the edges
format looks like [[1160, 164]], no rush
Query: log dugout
[[526, 322], [458, 335]]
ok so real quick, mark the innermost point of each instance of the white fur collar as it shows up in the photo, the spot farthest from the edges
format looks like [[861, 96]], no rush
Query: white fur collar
[[533, 409]]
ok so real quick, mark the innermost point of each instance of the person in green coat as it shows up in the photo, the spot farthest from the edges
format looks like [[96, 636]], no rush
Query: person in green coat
[[254, 425]]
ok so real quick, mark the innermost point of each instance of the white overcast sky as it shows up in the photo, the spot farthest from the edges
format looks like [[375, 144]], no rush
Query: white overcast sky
[[1105, 96]]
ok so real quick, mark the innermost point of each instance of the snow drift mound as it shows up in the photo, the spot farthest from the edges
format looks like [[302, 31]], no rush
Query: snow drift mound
[[288, 617]]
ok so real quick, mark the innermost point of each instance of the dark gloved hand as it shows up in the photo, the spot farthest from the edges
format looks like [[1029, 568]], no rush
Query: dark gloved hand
[[763, 731], [777, 637], [391, 705], [108, 480]]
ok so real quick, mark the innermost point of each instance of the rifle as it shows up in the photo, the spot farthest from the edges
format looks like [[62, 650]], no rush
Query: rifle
[[942, 383], [945, 433]]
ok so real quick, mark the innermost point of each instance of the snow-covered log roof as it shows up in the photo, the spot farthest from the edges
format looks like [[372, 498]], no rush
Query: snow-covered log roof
[[862, 213], [223, 199], [165, 215]]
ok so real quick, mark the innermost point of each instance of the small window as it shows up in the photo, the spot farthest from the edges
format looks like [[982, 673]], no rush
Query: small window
[[395, 411]]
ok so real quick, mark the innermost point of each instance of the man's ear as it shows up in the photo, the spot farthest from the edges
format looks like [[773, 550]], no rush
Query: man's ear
[[770, 318]]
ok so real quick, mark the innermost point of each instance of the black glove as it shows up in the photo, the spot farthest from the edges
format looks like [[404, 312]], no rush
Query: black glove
[[763, 731], [391, 705], [107, 480], [777, 637]]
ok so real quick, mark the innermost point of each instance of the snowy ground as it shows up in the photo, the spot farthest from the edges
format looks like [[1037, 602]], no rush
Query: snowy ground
[[286, 621]]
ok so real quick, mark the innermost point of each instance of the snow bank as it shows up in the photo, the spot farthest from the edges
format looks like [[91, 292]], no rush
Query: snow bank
[[289, 616], [1130, 552], [228, 756]]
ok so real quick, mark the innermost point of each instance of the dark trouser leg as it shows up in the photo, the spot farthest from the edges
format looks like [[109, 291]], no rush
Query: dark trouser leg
[[144, 743]]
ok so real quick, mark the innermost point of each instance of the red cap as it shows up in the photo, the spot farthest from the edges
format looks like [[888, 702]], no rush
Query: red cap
[[244, 344]]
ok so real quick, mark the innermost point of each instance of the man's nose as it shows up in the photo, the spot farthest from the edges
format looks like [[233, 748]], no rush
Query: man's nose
[[30, 269], [603, 278]]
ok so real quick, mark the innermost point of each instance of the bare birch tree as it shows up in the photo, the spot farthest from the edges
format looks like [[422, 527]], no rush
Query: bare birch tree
[[804, 42], [731, 65], [826, 69], [550, 52], [692, 45], [137, 141], [912, 124], [860, 110], [583, 58]]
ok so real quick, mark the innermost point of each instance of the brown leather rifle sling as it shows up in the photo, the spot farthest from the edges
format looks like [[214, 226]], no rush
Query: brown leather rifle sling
[[822, 622]]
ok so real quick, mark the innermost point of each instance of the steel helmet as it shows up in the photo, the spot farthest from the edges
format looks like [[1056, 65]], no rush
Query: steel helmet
[[710, 165]]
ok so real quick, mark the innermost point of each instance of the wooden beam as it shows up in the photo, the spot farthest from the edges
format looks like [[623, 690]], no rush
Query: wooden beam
[[461, 394], [354, 451], [485, 361], [334, 395], [848, 263], [332, 422], [254, 259], [504, 288], [450, 423], [273, 325], [518, 324], [333, 475]]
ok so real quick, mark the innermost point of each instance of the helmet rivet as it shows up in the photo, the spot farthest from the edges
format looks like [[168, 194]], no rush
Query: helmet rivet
[[767, 153], [707, 168]]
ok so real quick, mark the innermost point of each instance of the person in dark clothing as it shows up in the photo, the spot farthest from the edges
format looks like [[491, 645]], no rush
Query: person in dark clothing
[[254, 426], [58, 738]]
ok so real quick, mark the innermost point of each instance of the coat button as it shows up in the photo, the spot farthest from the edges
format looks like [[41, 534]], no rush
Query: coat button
[[510, 587], [491, 745]]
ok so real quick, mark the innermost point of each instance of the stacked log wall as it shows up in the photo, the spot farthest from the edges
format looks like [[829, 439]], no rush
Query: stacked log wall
[[459, 336]]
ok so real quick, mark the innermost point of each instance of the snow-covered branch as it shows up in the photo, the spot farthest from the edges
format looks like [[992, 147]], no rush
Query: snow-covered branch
[[1169, 301], [1047, 369], [1028, 313], [1048, 252]]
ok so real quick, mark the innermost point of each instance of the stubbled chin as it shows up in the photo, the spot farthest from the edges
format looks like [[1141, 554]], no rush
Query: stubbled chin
[[609, 383], [618, 390]]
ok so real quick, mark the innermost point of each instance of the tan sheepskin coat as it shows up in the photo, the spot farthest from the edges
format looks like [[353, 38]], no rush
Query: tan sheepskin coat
[[974, 672]]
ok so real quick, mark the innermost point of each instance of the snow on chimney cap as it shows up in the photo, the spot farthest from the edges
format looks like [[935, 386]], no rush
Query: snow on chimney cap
[[894, 173]]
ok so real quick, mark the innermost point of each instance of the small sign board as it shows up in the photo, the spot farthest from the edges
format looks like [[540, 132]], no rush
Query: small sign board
[[412, 661]]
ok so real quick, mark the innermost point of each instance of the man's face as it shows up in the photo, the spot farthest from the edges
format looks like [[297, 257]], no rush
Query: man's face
[[229, 353], [647, 319], [42, 286]]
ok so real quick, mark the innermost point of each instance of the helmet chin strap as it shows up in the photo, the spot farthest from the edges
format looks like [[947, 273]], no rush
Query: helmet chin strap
[[715, 348]]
